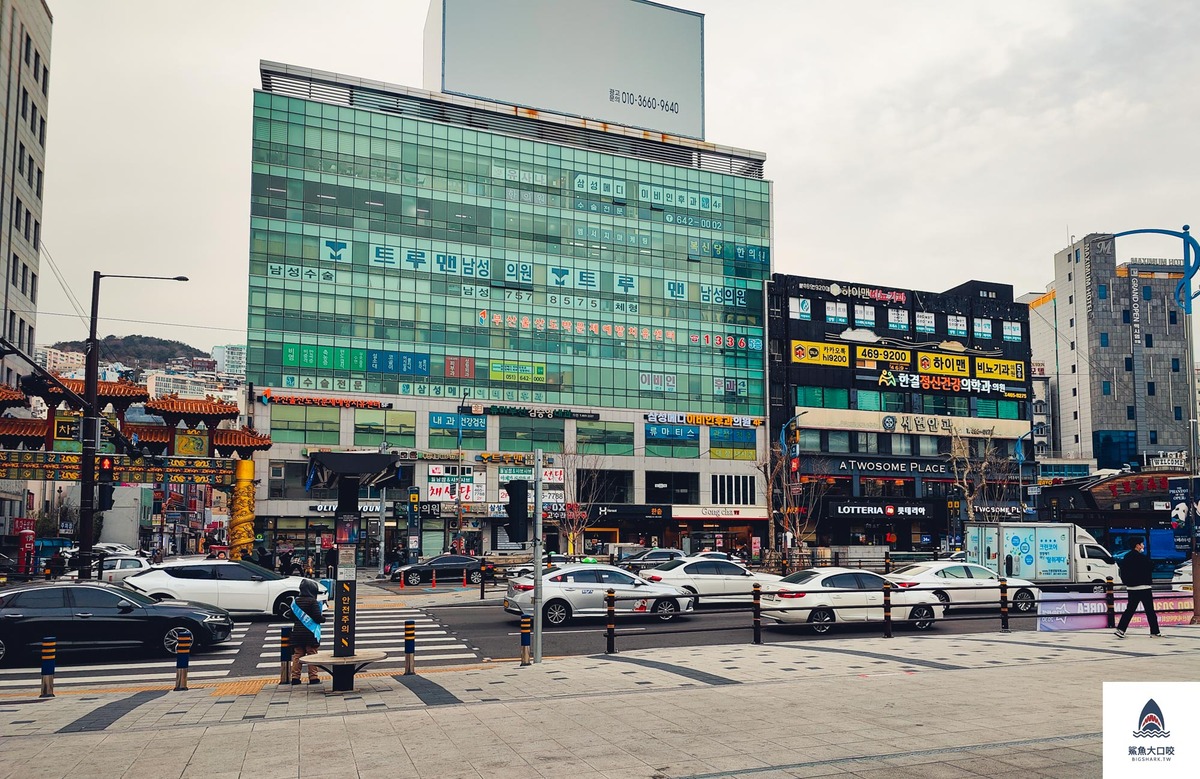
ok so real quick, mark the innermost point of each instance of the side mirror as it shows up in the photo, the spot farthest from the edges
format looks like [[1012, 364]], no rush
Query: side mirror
[[124, 605], [256, 578], [639, 583]]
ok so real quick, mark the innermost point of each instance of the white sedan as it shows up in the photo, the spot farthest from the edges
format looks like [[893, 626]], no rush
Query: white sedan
[[712, 579], [824, 596], [964, 584], [116, 569]]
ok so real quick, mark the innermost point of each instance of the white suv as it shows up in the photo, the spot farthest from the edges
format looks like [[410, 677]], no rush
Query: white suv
[[235, 586]]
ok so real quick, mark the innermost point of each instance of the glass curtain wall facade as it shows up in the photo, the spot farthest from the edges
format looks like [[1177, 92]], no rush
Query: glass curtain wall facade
[[469, 261]]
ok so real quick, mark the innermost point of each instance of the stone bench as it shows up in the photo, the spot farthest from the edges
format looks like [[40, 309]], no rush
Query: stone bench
[[343, 669]]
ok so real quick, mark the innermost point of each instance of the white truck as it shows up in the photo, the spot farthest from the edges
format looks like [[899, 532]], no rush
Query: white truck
[[1042, 552]]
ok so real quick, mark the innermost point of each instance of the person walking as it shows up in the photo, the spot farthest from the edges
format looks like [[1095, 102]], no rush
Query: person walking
[[1136, 575], [306, 635]]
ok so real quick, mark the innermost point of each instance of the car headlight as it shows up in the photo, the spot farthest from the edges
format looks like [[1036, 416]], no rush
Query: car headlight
[[219, 618]]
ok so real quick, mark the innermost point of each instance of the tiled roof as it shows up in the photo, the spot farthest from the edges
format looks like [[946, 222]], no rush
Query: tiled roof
[[151, 434], [186, 407], [246, 438], [22, 428], [11, 396], [108, 390]]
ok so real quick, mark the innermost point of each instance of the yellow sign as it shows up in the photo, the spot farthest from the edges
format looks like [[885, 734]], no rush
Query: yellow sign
[[815, 353], [999, 370], [884, 354], [944, 364], [530, 372]]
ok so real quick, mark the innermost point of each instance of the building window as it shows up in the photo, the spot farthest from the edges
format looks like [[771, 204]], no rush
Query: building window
[[1073, 368], [609, 438], [1104, 339], [1146, 292], [1102, 292], [1106, 387], [866, 443], [1071, 322], [1153, 436], [810, 440], [1074, 391], [1074, 415], [1130, 412], [1070, 275], [374, 426], [839, 441], [1149, 340], [901, 444], [1128, 363], [1174, 365], [1151, 388], [520, 434], [1125, 316], [24, 279], [733, 490], [1179, 413], [679, 441], [1072, 346], [732, 443], [822, 397], [1070, 299], [1172, 318], [665, 488], [305, 425]]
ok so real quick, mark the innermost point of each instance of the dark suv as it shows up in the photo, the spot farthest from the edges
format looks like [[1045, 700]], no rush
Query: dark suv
[[649, 558]]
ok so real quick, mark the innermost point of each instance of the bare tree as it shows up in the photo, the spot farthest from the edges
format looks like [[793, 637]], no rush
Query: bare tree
[[982, 470], [800, 495], [813, 488], [584, 486], [774, 468]]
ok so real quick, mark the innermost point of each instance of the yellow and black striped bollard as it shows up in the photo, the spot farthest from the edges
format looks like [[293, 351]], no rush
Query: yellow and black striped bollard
[[49, 649], [410, 647], [183, 651], [526, 635], [285, 654]]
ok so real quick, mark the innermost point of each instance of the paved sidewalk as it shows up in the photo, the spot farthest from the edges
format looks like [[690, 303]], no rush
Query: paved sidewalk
[[998, 705]]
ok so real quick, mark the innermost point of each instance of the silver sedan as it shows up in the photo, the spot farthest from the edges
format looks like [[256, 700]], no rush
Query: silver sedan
[[578, 590]]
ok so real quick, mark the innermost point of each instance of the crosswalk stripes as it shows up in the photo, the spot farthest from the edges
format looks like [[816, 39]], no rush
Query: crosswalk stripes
[[212, 663], [383, 629]]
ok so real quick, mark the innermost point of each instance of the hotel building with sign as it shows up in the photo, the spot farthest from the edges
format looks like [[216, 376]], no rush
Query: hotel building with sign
[[1117, 353], [879, 381], [465, 281]]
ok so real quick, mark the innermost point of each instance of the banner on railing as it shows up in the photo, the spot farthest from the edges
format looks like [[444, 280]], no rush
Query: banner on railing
[[1087, 611]]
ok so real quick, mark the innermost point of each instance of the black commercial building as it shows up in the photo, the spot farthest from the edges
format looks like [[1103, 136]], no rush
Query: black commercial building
[[873, 385]]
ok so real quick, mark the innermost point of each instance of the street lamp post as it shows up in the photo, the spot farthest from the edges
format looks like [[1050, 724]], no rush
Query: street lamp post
[[1020, 452], [91, 424], [787, 482]]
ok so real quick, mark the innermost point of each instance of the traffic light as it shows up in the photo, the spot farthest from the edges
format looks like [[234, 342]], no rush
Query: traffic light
[[104, 500], [104, 469], [517, 509]]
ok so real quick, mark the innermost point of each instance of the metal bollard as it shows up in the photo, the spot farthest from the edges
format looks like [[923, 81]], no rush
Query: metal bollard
[[285, 654], [610, 610], [410, 647], [183, 651], [757, 613], [1110, 607], [1004, 605], [465, 576], [483, 583], [49, 649], [526, 636], [887, 562], [435, 578], [887, 609]]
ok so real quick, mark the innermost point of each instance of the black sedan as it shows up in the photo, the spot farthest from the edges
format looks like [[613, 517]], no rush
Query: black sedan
[[94, 615], [450, 569]]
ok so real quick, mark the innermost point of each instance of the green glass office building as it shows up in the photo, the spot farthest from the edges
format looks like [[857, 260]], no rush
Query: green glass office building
[[415, 256]]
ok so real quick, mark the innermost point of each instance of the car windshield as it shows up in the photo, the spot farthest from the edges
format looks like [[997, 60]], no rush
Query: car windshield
[[671, 565], [800, 577], [912, 569]]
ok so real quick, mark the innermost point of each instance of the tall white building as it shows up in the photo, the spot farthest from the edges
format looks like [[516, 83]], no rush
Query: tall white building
[[231, 359]]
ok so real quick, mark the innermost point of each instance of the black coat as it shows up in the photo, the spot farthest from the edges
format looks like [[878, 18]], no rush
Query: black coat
[[1136, 569], [302, 636]]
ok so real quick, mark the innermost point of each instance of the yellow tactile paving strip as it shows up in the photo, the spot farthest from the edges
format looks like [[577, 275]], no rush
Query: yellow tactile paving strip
[[254, 685]]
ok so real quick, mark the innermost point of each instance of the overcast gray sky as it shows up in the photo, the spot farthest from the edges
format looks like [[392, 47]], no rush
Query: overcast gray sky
[[911, 144]]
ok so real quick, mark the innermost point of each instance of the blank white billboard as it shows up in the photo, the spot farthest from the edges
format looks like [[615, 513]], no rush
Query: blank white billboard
[[629, 62]]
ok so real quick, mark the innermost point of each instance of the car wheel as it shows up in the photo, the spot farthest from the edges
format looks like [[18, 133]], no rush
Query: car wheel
[[1023, 601], [556, 613], [413, 578], [922, 617], [5, 654], [170, 639], [943, 597], [476, 577], [666, 609], [283, 605], [1098, 587], [821, 620]]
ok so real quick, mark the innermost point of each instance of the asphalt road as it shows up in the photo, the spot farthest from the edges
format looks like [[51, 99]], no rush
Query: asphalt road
[[494, 634]]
